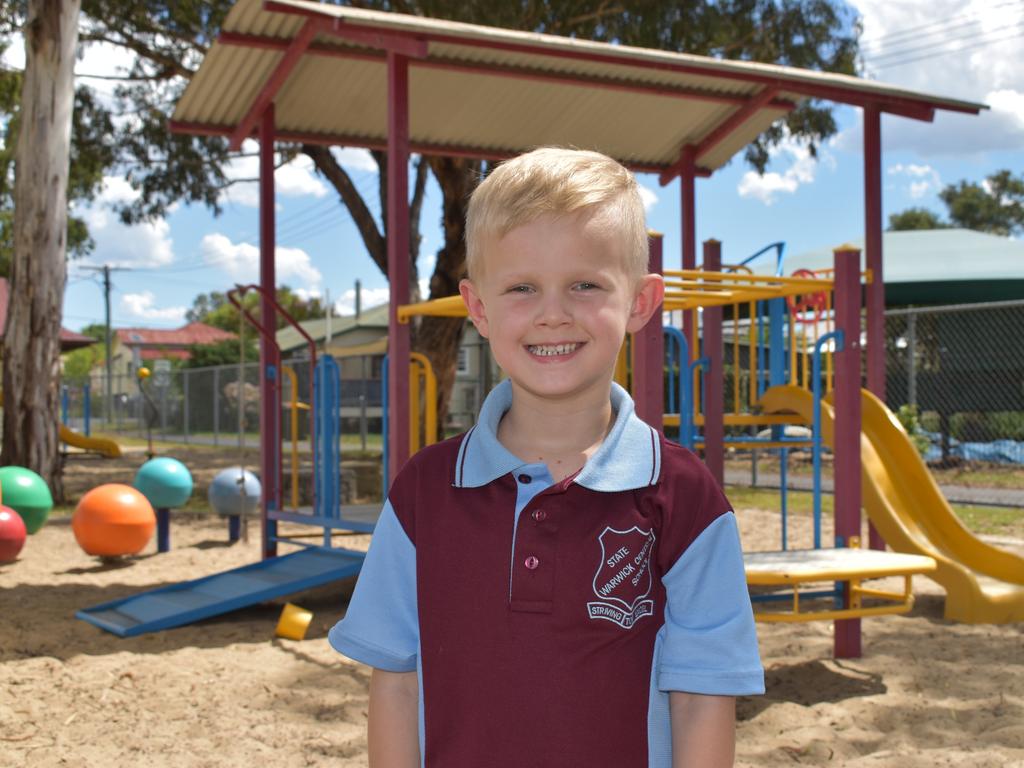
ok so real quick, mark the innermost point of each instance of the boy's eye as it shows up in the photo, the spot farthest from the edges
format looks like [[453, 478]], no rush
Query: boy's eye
[[586, 286], [520, 289]]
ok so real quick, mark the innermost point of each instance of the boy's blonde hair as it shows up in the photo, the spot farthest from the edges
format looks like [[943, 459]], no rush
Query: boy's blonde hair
[[557, 181]]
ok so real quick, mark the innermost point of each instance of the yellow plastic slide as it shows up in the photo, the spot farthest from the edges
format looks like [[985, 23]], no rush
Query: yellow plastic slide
[[983, 584], [100, 445]]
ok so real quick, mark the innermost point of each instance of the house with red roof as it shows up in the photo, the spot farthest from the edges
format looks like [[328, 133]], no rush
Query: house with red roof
[[136, 347]]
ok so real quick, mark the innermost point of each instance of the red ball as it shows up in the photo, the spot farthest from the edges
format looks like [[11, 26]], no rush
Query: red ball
[[12, 534]]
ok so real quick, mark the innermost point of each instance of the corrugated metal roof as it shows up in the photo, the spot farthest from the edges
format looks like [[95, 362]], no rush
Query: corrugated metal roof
[[497, 92], [915, 256], [934, 266]]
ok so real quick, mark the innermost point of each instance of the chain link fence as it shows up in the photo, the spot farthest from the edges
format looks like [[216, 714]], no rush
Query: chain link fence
[[958, 373], [219, 405]]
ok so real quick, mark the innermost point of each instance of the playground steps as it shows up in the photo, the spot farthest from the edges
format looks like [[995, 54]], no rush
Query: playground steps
[[190, 601]]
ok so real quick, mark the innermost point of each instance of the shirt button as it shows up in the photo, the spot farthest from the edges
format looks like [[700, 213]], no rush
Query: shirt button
[[539, 515], [531, 562], [524, 478]]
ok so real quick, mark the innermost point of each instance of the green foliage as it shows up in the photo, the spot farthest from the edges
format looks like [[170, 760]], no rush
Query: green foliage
[[78, 363], [911, 421], [984, 427], [996, 206], [96, 331], [214, 309], [221, 353], [915, 218]]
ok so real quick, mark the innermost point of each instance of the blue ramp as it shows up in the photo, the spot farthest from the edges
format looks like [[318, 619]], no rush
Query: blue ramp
[[190, 601]]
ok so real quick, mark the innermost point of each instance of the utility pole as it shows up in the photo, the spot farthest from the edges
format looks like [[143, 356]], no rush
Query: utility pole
[[108, 391]]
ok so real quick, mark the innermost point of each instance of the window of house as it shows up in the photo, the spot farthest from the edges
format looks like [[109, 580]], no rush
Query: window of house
[[462, 360]]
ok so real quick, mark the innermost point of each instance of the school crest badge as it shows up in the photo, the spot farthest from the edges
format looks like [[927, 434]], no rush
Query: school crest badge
[[622, 583]]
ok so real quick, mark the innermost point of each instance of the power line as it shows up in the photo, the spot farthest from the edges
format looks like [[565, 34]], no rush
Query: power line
[[932, 47], [888, 37], [980, 44]]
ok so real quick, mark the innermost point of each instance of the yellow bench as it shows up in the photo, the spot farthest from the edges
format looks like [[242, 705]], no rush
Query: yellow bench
[[795, 569]]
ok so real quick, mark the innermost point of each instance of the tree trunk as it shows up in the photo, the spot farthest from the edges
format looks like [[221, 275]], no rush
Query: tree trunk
[[31, 344], [439, 337]]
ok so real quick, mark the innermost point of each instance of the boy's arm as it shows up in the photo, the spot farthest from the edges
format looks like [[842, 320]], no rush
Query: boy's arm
[[703, 730], [394, 720]]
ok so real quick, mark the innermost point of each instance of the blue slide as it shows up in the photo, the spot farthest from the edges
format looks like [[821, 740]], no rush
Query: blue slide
[[190, 601]]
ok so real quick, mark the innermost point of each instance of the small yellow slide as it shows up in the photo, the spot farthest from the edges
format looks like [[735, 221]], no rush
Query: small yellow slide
[[100, 445], [983, 584]]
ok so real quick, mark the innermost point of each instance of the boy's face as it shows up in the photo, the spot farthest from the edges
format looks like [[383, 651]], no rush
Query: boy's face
[[555, 300]]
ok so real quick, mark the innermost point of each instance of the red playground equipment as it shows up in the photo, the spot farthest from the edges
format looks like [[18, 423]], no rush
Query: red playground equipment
[[12, 534]]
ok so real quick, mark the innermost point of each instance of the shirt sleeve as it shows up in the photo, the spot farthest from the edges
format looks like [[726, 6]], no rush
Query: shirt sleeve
[[381, 625], [709, 644]]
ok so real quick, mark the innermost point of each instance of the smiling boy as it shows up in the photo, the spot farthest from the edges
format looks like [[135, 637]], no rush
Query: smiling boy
[[559, 586]]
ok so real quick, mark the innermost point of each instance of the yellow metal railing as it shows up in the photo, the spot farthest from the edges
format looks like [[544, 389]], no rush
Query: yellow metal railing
[[422, 402]]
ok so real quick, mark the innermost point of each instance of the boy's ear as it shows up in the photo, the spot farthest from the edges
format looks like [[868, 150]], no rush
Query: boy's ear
[[474, 305], [649, 296]]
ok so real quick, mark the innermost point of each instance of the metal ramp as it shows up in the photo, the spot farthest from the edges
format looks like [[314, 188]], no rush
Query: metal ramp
[[190, 601]]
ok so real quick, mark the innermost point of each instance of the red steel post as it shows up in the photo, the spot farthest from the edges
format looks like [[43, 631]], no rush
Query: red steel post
[[873, 260], [649, 354], [846, 461], [688, 205], [398, 261], [270, 368], [714, 391]]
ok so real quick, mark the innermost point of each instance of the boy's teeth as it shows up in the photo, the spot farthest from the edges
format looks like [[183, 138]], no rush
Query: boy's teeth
[[553, 349]]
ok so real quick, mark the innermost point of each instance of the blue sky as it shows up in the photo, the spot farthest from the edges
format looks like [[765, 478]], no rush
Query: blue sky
[[969, 50]]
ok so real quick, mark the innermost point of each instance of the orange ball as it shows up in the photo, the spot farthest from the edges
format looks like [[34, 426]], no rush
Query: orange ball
[[113, 520]]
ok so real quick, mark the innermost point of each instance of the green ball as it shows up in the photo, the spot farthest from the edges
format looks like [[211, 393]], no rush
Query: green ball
[[25, 492], [165, 482]]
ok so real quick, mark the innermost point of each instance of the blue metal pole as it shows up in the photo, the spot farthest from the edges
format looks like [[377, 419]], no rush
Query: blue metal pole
[[64, 405], [816, 440], [163, 530], [86, 409]]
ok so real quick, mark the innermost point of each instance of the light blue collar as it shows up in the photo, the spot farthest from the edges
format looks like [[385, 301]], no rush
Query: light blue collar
[[629, 457]]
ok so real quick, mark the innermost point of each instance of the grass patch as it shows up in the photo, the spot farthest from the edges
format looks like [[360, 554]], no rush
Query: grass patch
[[1001, 521]]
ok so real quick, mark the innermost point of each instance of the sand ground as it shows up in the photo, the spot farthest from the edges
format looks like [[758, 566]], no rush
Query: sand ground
[[226, 692]]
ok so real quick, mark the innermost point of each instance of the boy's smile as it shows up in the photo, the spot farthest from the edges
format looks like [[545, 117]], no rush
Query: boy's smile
[[555, 301]]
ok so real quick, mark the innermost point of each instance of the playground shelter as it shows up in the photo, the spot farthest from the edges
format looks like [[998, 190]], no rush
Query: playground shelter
[[299, 71]]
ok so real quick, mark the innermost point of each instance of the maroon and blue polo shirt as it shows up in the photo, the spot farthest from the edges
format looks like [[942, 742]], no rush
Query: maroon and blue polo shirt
[[548, 622]]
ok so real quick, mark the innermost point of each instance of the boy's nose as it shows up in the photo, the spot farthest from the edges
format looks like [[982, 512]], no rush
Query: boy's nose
[[553, 311]]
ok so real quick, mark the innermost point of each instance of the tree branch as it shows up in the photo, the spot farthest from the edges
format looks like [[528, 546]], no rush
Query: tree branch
[[170, 65], [374, 241], [415, 237]]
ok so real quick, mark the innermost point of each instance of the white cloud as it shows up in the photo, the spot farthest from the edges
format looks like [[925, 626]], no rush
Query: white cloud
[[370, 297], [306, 294], [143, 307], [294, 179], [648, 196], [973, 54], [801, 170], [147, 244], [354, 158], [924, 179], [241, 262]]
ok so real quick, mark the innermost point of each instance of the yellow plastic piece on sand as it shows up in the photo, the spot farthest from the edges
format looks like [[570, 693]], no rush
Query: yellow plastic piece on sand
[[294, 622]]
